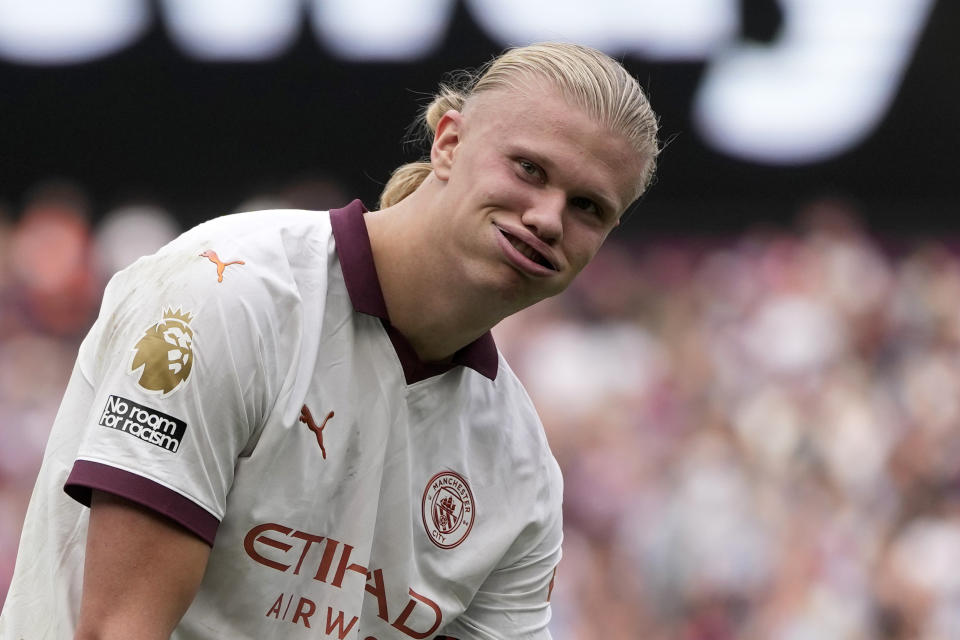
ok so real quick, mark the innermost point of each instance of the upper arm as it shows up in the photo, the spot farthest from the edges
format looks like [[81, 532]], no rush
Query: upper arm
[[181, 378], [141, 571], [512, 603], [183, 369]]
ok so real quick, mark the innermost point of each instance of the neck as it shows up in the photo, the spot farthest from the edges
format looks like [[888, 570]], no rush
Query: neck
[[426, 300]]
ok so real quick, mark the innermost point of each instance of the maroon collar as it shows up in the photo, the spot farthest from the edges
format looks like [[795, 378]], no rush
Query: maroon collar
[[363, 285]]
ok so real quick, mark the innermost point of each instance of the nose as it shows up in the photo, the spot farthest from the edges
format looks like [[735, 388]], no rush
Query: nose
[[544, 217]]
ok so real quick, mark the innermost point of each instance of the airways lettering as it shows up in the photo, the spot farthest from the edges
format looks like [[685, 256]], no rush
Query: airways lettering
[[303, 612]]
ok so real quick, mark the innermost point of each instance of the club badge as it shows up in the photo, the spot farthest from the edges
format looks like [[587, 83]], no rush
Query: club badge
[[448, 509]]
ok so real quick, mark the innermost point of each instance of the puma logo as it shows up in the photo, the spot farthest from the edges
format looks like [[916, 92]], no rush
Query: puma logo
[[307, 418], [211, 255]]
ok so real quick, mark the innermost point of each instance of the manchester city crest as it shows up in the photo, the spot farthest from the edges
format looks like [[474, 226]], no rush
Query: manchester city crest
[[448, 509]]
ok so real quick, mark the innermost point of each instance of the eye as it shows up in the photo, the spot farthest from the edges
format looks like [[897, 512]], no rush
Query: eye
[[586, 204], [530, 169]]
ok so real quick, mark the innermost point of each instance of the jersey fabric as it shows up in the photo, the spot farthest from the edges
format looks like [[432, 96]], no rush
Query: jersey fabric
[[245, 381]]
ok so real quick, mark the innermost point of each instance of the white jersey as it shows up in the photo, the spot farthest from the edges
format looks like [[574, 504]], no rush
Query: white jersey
[[245, 382]]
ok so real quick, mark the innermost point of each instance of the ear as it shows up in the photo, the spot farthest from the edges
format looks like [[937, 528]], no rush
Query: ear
[[445, 143]]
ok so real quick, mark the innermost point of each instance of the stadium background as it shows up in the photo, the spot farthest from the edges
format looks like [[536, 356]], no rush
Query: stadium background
[[754, 392]]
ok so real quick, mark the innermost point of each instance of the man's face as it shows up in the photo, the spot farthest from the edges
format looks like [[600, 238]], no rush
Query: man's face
[[533, 188]]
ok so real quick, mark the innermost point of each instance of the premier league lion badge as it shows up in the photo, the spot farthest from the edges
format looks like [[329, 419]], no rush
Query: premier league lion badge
[[164, 355]]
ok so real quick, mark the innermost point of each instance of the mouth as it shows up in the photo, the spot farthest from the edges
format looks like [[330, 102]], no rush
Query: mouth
[[528, 252]]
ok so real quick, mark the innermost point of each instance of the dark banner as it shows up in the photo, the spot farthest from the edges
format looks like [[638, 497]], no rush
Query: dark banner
[[764, 105]]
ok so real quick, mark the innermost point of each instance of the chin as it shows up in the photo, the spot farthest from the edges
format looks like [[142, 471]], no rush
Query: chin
[[521, 298]]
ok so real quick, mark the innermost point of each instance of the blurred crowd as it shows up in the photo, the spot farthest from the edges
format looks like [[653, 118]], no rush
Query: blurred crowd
[[758, 433]]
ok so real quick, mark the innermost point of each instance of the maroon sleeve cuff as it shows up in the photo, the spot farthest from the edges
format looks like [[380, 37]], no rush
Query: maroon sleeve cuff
[[87, 475]]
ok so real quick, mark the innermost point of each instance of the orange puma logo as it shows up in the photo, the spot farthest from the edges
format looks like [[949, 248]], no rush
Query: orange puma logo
[[307, 418], [211, 255]]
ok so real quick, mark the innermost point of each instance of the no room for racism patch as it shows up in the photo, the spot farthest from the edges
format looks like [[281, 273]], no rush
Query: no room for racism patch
[[143, 422]]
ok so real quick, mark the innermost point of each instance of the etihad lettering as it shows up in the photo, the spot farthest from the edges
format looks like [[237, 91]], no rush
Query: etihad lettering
[[331, 562], [400, 623], [143, 422]]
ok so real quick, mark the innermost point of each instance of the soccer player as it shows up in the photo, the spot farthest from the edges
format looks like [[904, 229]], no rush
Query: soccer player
[[295, 424]]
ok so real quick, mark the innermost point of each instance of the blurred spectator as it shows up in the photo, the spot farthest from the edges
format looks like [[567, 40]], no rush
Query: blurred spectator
[[52, 274], [130, 232], [313, 192], [759, 436], [51, 261]]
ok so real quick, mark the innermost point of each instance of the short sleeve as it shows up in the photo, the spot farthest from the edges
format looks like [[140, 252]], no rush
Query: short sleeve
[[182, 366]]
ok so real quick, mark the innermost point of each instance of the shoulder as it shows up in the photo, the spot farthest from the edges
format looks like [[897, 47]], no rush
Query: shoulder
[[262, 256], [252, 225], [522, 439], [237, 279], [274, 240], [523, 478], [509, 394]]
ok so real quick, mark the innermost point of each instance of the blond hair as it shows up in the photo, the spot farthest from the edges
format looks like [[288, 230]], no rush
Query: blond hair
[[587, 78]]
